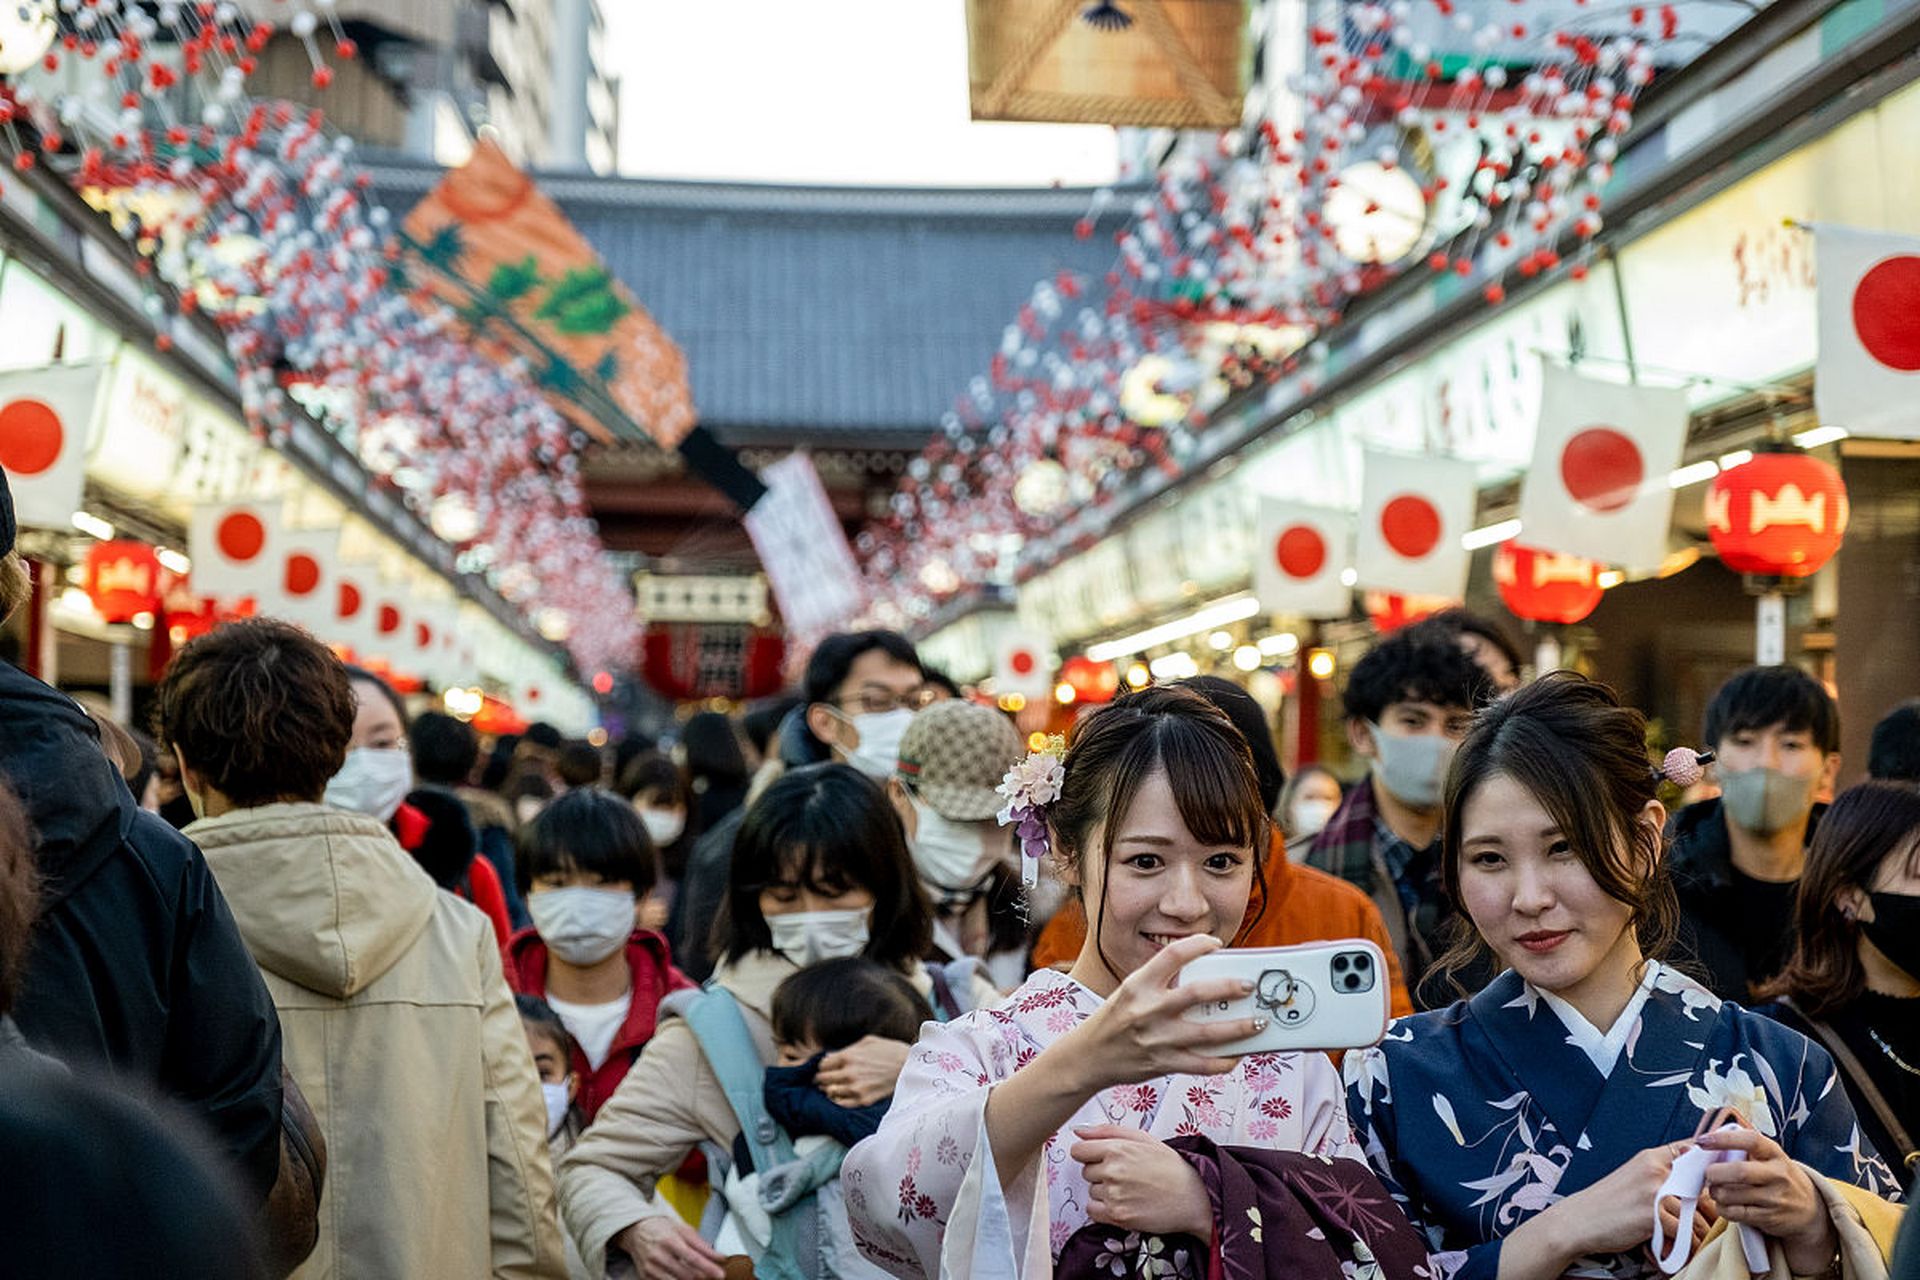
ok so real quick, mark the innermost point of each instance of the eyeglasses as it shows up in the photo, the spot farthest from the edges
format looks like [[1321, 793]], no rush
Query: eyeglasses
[[879, 702]]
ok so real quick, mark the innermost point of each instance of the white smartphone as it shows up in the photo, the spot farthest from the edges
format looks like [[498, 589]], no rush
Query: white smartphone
[[1319, 996]]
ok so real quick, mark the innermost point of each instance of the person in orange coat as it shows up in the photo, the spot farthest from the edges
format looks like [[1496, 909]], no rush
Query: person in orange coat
[[1299, 905]]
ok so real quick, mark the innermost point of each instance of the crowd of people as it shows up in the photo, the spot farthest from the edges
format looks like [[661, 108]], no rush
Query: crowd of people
[[308, 984]]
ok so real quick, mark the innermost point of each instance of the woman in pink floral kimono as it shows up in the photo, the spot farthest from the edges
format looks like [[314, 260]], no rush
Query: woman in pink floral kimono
[[1014, 1127]]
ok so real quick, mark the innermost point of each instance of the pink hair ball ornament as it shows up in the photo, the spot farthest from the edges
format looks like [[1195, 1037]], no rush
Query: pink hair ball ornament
[[1684, 766]]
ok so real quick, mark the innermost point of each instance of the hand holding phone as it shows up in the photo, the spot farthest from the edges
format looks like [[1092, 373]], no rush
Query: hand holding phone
[[1318, 996]]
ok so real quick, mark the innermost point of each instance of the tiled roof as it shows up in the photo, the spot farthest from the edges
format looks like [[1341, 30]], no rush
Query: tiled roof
[[829, 313]]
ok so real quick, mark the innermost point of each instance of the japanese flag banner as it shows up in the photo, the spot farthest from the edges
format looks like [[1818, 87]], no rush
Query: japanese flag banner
[[44, 418], [425, 650], [351, 623], [1413, 511], [1602, 455], [1023, 664], [1867, 378], [236, 550], [387, 624], [1300, 554], [305, 591]]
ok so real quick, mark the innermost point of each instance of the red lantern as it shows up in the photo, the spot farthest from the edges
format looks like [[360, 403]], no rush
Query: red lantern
[[1091, 682], [1781, 514], [691, 660], [123, 579], [1390, 612], [1546, 586]]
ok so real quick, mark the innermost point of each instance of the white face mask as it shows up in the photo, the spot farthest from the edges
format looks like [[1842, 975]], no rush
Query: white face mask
[[806, 937], [557, 1105], [580, 924], [1412, 767], [952, 857], [663, 825], [878, 754], [373, 781], [1309, 817]]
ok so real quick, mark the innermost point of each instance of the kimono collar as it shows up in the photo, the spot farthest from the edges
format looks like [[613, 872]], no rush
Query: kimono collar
[[1603, 1047]]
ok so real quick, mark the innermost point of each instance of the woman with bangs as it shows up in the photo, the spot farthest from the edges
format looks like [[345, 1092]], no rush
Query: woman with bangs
[[820, 870], [1015, 1127], [1527, 1130]]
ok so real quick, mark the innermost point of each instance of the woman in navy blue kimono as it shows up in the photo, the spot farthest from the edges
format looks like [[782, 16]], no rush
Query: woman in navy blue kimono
[[1528, 1129]]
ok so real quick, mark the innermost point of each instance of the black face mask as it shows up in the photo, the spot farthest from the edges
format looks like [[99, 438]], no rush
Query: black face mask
[[1895, 928]]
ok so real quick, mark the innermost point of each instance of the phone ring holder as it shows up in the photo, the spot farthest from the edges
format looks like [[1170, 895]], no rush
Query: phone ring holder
[[1286, 998]]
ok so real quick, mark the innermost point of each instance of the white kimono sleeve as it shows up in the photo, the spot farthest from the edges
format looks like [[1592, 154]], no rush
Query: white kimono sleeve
[[924, 1197]]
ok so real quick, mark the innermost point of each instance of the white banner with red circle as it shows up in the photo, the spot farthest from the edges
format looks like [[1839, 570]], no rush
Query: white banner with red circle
[[304, 588], [44, 418], [1413, 511], [1602, 457], [1868, 376], [236, 549], [1024, 663], [1301, 553]]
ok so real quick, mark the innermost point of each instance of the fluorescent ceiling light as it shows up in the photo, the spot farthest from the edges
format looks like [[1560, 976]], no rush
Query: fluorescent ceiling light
[[1219, 614], [1490, 535], [1694, 474], [1818, 436]]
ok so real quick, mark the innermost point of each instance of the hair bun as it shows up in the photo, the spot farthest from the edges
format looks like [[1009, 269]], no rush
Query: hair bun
[[1684, 766]]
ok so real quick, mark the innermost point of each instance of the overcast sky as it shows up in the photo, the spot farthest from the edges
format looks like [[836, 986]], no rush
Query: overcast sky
[[827, 91]]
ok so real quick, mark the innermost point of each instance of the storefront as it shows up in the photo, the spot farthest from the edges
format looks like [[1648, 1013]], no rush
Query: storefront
[[150, 438], [1718, 298]]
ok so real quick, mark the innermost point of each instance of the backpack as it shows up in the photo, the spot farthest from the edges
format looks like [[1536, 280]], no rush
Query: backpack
[[788, 1183]]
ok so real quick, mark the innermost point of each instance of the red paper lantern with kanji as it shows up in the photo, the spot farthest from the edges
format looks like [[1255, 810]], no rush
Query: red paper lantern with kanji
[[1091, 682], [1781, 514], [1390, 611], [123, 579], [1545, 586]]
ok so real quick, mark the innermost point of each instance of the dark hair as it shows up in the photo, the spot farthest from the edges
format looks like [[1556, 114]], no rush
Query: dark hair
[[580, 763], [1251, 721], [653, 772], [762, 720], [1761, 697], [1457, 622], [493, 777], [1114, 750], [836, 1002], [447, 848], [399, 705], [1583, 756], [444, 749], [149, 763], [541, 1016], [590, 831], [834, 657], [1860, 829], [260, 709], [1894, 754], [19, 894], [828, 828], [941, 681], [713, 749], [542, 734], [1414, 665]]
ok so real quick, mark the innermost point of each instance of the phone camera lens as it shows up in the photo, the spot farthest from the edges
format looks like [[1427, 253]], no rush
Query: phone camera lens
[[1339, 964]]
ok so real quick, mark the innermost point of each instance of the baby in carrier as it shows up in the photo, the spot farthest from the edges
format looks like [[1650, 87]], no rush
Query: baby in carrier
[[823, 1008]]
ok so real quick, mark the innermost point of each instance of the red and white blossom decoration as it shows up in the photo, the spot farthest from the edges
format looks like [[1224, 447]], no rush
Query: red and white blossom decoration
[[263, 224]]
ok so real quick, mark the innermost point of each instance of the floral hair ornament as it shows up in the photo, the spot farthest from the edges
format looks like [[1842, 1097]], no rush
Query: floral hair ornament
[[1028, 789]]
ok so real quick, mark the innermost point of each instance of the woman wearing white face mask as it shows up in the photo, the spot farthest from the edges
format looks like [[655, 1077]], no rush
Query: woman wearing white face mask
[[583, 864], [820, 870], [952, 759], [378, 772]]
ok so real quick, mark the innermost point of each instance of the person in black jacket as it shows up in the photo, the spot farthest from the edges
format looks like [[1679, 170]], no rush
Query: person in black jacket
[[136, 964], [1736, 860]]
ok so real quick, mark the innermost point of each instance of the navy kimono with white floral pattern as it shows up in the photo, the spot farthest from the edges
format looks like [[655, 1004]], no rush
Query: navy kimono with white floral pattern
[[1481, 1115]]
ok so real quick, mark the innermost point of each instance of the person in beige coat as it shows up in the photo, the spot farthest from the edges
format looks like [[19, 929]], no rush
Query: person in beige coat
[[396, 1017], [820, 869]]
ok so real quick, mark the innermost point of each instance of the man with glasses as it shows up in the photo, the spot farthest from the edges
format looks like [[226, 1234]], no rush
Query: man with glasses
[[859, 691], [1409, 701]]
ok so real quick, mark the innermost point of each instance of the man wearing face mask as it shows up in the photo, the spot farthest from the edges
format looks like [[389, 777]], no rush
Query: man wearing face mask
[[952, 759], [1409, 703], [860, 690], [1775, 734], [393, 1007]]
